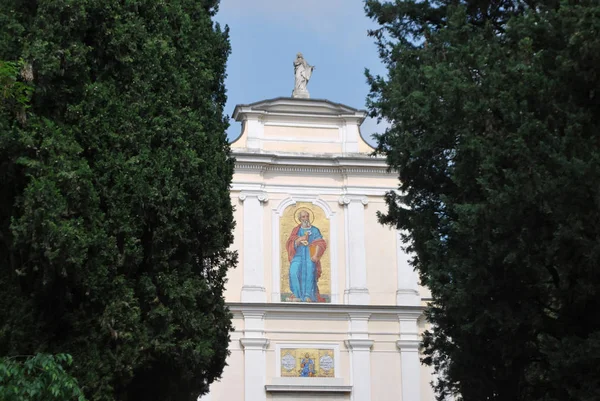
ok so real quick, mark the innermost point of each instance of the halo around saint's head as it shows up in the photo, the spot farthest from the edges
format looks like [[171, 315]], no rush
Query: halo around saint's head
[[311, 215]]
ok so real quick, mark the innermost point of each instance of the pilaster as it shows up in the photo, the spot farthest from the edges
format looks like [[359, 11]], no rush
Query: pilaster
[[254, 344], [255, 127], [359, 346], [407, 293], [351, 134], [356, 292], [253, 289], [408, 344]]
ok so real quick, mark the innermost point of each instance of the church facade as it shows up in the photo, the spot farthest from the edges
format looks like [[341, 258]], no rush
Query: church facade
[[324, 302]]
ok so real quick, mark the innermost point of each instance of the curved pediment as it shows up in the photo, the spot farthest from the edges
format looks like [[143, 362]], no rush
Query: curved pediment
[[297, 106], [300, 125]]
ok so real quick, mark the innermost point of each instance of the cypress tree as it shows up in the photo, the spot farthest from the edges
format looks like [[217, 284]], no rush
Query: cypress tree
[[495, 115], [115, 215]]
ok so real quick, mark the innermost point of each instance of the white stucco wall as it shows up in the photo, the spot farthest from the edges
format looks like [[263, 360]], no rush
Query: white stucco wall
[[293, 151]]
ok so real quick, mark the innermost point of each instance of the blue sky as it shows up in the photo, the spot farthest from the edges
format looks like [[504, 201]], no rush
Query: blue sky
[[267, 34]]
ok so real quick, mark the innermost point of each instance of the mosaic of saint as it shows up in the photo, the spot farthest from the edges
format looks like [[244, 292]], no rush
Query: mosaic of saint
[[297, 362], [306, 271]]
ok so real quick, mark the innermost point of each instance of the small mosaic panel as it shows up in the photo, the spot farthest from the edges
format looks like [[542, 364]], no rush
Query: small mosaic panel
[[307, 362]]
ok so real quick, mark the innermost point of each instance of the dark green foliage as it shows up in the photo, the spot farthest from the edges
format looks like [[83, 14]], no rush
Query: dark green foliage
[[115, 215], [495, 114], [40, 377]]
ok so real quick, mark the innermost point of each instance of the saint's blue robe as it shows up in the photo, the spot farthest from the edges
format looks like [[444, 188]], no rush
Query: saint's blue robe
[[303, 280]]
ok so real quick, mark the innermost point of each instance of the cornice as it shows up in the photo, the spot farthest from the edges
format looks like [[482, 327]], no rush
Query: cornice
[[315, 164], [310, 311], [310, 169]]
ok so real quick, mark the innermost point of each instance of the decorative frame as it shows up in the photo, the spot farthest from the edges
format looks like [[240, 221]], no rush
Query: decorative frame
[[276, 251], [327, 346]]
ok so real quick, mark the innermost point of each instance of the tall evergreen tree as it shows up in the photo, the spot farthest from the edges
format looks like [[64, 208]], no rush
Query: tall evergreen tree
[[495, 113], [115, 216]]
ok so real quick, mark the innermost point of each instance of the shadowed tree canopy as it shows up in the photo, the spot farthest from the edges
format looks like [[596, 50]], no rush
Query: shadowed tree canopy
[[495, 113], [115, 216]]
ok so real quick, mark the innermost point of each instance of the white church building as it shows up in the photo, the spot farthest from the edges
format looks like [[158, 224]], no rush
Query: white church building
[[325, 305]]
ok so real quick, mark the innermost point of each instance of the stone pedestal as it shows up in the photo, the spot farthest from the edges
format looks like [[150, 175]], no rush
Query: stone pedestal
[[301, 94]]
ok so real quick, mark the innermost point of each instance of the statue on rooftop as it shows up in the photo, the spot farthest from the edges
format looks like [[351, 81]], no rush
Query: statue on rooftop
[[302, 73]]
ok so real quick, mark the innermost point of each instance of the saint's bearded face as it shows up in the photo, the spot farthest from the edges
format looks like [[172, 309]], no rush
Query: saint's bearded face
[[304, 219]]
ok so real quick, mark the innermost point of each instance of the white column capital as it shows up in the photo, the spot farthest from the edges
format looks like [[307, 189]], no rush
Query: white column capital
[[254, 343], [408, 345], [262, 197], [345, 200], [358, 344], [414, 314], [359, 315], [254, 314]]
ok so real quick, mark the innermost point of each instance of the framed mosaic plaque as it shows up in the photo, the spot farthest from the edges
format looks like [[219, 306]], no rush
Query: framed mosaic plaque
[[307, 361], [305, 260]]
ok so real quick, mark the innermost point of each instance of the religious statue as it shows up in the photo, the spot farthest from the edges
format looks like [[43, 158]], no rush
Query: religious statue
[[302, 74], [305, 246]]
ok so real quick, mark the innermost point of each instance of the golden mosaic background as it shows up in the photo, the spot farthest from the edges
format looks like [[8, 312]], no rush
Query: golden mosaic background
[[315, 355], [286, 225]]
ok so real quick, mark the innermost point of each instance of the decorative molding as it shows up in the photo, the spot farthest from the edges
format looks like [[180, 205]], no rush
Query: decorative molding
[[313, 169], [306, 190]]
